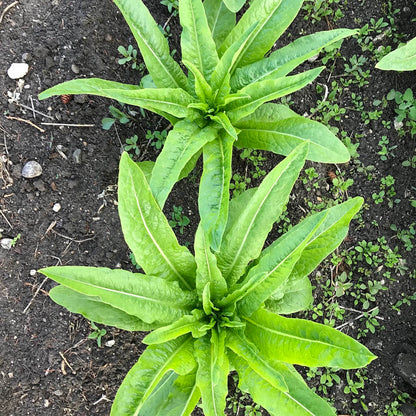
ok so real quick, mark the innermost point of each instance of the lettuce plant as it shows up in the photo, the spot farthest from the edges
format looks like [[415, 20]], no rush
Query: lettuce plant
[[215, 312], [223, 100]]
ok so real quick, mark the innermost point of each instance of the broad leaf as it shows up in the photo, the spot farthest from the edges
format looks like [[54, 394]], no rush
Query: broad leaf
[[298, 341], [174, 396], [207, 270], [212, 373], [275, 265], [165, 71], [402, 59], [146, 374], [328, 236], [183, 142], [272, 18], [147, 231], [300, 400], [173, 101], [220, 20], [94, 309], [197, 44], [297, 297], [245, 239], [268, 90], [214, 188], [276, 128], [244, 348], [284, 60], [151, 299]]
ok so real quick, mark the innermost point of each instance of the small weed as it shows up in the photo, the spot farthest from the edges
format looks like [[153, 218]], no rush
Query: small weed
[[120, 116], [172, 5], [178, 219], [157, 138], [15, 240], [386, 151], [97, 333], [405, 110], [131, 145], [130, 55]]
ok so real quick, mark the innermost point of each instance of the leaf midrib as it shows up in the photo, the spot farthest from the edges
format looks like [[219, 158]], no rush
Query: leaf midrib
[[168, 262]]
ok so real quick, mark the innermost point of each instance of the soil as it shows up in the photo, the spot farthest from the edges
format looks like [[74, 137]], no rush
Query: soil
[[48, 366]]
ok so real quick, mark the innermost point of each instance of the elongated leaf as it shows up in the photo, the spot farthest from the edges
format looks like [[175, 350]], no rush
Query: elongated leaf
[[147, 231], [186, 324], [175, 396], [402, 59], [155, 402], [220, 79], [284, 60], [273, 17], [268, 90], [237, 205], [275, 265], [214, 188], [149, 298], [165, 71], [207, 270], [94, 309], [212, 373], [328, 236], [234, 5], [297, 297], [220, 20], [241, 346], [182, 143], [202, 89], [300, 400], [173, 101], [298, 341], [222, 119], [146, 374], [197, 44], [276, 128], [246, 238]]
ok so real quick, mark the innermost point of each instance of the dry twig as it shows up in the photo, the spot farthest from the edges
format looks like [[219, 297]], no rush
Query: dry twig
[[26, 121], [68, 125], [7, 9]]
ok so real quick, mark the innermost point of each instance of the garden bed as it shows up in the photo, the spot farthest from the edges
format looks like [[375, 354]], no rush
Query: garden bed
[[68, 214]]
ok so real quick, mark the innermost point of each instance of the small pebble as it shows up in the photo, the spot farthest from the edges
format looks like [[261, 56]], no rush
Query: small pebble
[[31, 169], [108, 37], [6, 243], [110, 343], [56, 207], [312, 59], [32, 272], [18, 70], [76, 156], [26, 57], [75, 69], [58, 393]]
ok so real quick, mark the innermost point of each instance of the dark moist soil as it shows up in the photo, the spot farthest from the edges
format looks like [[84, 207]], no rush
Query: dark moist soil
[[48, 366]]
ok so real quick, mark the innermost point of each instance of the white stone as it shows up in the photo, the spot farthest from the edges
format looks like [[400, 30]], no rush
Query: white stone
[[31, 169], [32, 272], [18, 70], [6, 243], [56, 207], [110, 343]]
